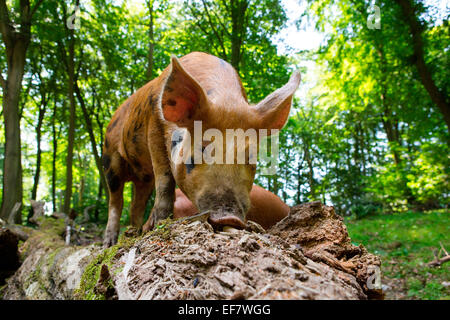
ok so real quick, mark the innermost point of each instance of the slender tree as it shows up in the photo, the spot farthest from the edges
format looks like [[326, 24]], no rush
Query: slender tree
[[15, 28]]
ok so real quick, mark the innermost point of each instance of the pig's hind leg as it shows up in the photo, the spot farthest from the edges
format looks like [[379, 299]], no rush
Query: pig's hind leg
[[115, 177]]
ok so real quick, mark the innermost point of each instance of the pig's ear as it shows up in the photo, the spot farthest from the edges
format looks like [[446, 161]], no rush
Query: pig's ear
[[274, 110], [182, 96]]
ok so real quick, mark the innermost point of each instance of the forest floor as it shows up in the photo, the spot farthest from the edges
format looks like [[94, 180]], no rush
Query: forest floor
[[405, 243]]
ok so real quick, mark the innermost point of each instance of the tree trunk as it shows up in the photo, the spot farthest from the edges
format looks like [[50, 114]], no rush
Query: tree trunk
[[238, 13], [72, 115], [100, 124], [90, 129], [309, 161], [150, 4], [387, 118], [299, 181], [415, 28], [42, 109], [55, 150], [16, 37], [12, 166], [307, 255]]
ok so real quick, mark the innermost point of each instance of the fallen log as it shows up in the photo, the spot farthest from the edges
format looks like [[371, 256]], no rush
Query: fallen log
[[9, 261], [307, 255]]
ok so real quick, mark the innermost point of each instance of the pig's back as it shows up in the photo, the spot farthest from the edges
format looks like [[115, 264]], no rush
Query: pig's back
[[267, 208]]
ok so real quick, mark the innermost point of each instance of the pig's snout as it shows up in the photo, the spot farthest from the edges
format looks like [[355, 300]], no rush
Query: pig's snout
[[228, 220], [226, 209]]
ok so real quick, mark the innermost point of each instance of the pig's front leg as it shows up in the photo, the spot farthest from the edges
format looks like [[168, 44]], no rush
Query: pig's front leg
[[165, 197], [164, 180]]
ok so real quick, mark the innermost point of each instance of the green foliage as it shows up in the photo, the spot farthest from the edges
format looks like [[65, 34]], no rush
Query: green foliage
[[365, 136], [405, 242], [91, 275]]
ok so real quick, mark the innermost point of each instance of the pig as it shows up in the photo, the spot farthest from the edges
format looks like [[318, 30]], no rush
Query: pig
[[198, 87], [266, 208]]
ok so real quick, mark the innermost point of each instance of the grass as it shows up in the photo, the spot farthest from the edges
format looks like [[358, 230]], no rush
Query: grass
[[405, 242]]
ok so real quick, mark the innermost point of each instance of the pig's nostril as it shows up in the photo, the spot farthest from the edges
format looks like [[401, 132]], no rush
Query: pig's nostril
[[231, 221]]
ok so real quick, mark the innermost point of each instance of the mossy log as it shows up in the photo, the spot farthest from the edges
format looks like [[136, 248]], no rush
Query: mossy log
[[307, 255]]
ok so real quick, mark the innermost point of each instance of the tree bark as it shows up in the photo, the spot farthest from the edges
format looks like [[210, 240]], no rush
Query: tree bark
[[16, 44], [307, 255], [90, 129], [42, 109], [55, 149], [238, 14], [72, 114], [16, 37], [150, 5]]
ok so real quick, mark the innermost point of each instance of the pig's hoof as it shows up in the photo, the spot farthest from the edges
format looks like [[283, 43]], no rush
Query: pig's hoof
[[148, 226], [109, 241], [231, 221]]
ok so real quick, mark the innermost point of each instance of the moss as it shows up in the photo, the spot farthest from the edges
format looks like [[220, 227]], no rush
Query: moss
[[163, 229], [51, 225], [91, 274], [51, 257], [2, 290], [35, 277], [127, 240]]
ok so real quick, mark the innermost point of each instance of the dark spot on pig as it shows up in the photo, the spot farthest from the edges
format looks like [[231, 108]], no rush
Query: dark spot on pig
[[171, 102], [167, 190], [174, 144], [134, 139], [138, 126], [152, 101], [106, 161], [129, 168], [190, 166], [136, 162], [210, 92], [106, 143], [147, 178], [177, 137], [113, 181], [112, 125]]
